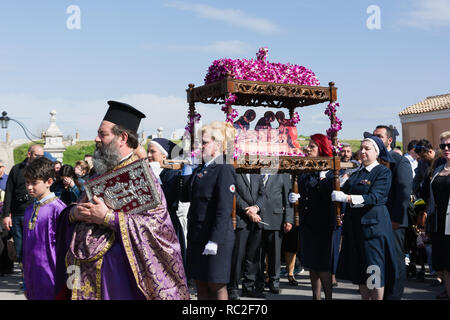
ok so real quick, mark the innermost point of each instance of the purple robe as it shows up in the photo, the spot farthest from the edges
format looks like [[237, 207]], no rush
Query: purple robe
[[137, 256], [39, 252]]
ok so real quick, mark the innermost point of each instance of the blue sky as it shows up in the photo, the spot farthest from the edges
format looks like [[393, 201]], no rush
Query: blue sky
[[147, 52]]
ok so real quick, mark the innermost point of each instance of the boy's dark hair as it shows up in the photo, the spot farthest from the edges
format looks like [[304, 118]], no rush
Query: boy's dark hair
[[39, 169]]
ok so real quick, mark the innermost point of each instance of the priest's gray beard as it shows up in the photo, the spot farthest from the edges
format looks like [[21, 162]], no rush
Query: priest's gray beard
[[106, 157]]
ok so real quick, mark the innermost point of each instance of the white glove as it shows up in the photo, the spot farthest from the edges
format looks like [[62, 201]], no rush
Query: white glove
[[210, 249], [323, 174], [338, 196], [293, 197]]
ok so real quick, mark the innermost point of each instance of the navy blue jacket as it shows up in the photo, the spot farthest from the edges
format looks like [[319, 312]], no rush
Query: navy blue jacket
[[315, 207], [210, 192], [363, 228], [401, 188], [171, 186], [374, 187]]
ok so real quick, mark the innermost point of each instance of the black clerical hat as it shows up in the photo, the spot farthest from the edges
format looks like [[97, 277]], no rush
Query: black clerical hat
[[123, 114]]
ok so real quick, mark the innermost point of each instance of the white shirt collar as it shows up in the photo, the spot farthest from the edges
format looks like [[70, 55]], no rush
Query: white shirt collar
[[51, 195], [210, 161], [126, 157], [371, 166]]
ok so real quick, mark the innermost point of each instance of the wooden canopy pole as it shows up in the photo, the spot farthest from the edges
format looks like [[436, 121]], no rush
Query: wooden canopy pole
[[294, 180], [191, 112], [336, 160], [233, 211]]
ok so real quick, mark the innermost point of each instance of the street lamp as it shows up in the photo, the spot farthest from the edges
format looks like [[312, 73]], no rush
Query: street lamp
[[4, 121]]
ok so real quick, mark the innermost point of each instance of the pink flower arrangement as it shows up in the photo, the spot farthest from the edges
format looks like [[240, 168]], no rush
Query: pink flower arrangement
[[260, 70], [228, 103], [294, 120], [239, 152], [336, 126]]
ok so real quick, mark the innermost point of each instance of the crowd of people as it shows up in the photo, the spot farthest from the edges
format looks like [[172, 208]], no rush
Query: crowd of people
[[394, 217]]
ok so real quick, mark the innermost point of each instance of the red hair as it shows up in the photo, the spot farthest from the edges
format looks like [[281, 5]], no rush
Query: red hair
[[324, 145]]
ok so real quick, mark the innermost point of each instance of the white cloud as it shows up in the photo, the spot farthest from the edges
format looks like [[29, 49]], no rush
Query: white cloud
[[225, 48], [428, 13], [231, 16]]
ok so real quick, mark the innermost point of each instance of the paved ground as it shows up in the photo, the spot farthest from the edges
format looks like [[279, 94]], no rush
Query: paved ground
[[415, 289], [10, 286]]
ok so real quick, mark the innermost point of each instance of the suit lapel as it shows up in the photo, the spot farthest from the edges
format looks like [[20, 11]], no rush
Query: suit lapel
[[253, 185]]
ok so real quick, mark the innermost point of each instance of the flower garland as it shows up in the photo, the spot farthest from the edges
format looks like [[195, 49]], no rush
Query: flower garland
[[260, 70], [294, 120], [228, 103], [192, 120], [336, 126]]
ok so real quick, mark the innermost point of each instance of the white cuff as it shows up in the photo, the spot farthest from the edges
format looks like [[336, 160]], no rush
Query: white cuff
[[357, 201]]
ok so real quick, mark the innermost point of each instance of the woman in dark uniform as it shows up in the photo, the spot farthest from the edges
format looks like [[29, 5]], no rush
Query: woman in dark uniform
[[367, 239], [160, 149], [210, 190], [317, 219], [438, 222]]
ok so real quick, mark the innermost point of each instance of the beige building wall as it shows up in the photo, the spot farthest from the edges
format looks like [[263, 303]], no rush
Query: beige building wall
[[425, 129]]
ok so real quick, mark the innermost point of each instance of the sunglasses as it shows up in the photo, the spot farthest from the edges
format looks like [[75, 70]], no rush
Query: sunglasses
[[420, 148], [443, 145]]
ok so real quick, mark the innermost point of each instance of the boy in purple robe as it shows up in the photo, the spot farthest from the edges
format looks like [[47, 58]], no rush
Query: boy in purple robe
[[39, 253]]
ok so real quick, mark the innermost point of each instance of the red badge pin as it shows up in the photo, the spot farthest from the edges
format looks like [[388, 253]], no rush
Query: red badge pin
[[232, 188]]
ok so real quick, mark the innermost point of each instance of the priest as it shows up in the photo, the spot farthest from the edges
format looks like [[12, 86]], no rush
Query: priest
[[105, 254]]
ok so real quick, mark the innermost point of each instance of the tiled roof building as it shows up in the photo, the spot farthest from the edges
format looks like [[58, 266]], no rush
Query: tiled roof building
[[426, 119], [433, 103]]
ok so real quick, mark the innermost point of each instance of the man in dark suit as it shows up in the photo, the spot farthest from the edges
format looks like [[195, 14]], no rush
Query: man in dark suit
[[250, 198], [398, 202], [277, 216]]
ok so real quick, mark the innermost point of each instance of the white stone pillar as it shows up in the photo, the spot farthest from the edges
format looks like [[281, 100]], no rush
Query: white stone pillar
[[54, 139]]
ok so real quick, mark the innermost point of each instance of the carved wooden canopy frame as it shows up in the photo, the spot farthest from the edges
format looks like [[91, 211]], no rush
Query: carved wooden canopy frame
[[271, 95]]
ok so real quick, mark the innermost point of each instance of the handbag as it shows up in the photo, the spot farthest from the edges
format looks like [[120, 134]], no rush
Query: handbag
[[12, 254]]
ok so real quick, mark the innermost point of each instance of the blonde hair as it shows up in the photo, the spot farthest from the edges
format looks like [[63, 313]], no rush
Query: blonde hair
[[222, 132], [84, 165], [444, 135]]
